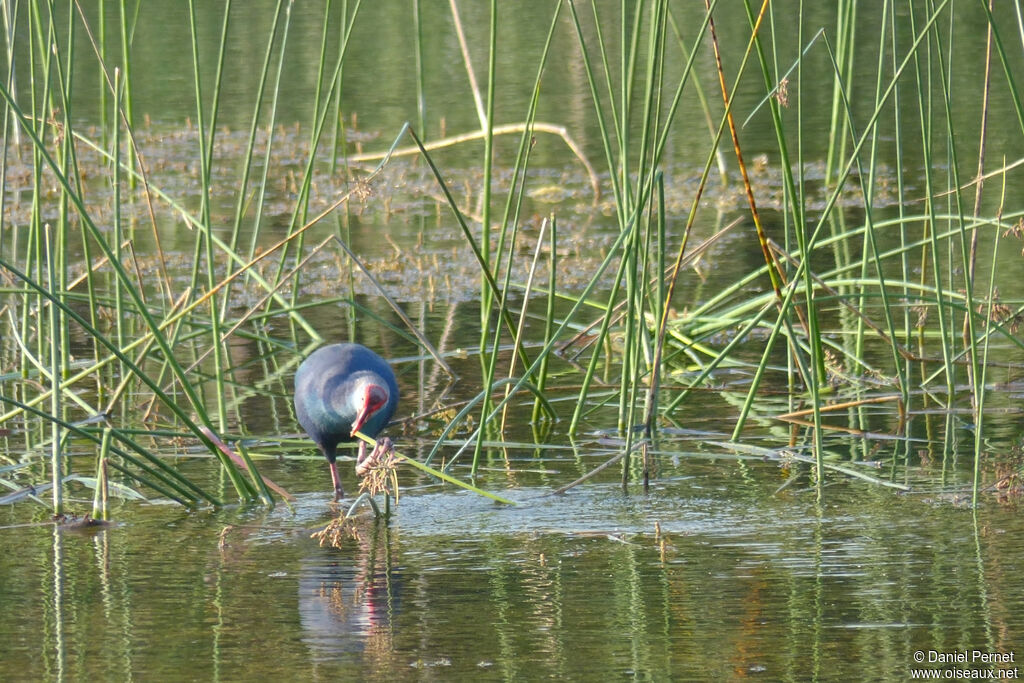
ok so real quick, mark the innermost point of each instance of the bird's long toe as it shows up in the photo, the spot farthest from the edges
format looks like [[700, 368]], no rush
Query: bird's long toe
[[365, 463], [384, 446]]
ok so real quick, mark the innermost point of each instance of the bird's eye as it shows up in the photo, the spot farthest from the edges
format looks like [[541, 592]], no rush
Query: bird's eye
[[375, 398]]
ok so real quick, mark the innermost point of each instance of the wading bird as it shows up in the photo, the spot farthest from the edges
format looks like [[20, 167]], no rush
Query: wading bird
[[341, 389]]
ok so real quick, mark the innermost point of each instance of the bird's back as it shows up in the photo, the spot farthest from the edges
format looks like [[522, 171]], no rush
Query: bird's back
[[322, 383]]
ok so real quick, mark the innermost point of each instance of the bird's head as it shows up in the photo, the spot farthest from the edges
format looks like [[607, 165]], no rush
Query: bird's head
[[370, 398]]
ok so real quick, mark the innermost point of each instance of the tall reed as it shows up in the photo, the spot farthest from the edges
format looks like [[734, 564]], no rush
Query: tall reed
[[869, 285]]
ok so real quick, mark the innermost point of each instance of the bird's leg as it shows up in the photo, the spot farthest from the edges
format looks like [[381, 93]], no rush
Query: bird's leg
[[336, 480], [361, 458], [364, 463]]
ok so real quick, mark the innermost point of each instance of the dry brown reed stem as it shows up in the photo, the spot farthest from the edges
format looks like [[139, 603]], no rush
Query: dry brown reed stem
[[852, 431], [171, 319], [223, 448], [775, 272], [840, 406], [528, 289], [1001, 171], [395, 307], [670, 274], [606, 464], [166, 281], [507, 129], [968, 329], [259, 304], [96, 265], [470, 72]]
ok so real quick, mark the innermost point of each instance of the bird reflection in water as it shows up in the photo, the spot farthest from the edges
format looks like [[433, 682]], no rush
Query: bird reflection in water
[[348, 598]]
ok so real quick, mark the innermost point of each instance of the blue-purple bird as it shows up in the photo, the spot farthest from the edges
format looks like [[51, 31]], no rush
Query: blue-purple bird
[[341, 389]]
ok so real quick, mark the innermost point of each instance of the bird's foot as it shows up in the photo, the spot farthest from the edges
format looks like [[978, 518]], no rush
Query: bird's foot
[[365, 463]]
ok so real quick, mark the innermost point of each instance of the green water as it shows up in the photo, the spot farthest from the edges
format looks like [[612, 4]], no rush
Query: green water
[[577, 586], [725, 569]]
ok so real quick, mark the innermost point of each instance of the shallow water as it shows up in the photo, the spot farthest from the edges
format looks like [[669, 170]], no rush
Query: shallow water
[[738, 583], [726, 568]]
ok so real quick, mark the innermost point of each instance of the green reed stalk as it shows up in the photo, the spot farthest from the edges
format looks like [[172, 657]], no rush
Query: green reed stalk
[[905, 368], [321, 107], [966, 265], [40, 103], [8, 131], [101, 54], [69, 164], [10, 46], [127, 34], [119, 304], [629, 201], [979, 418], [261, 185], [513, 204], [618, 165], [250, 147], [637, 342], [488, 360], [206, 146], [100, 499], [794, 196], [56, 371], [338, 142], [137, 300], [844, 57], [658, 310], [549, 315], [421, 98], [978, 376], [164, 479], [320, 114], [932, 256], [866, 180], [868, 188], [57, 255], [488, 166], [602, 127], [336, 84]]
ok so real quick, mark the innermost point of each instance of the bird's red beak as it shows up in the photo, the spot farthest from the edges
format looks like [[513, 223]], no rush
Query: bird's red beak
[[376, 397]]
